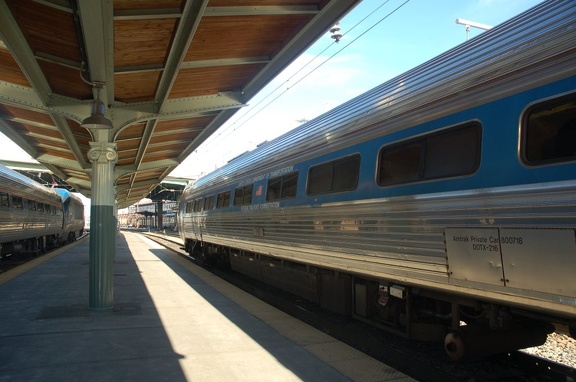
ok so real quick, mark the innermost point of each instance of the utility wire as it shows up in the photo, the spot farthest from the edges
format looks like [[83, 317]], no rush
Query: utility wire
[[255, 112]]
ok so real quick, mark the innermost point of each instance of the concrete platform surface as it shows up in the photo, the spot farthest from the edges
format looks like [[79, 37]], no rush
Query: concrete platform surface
[[172, 321]]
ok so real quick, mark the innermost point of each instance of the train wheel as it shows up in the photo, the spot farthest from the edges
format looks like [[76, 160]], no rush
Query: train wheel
[[42, 243], [38, 246], [454, 345]]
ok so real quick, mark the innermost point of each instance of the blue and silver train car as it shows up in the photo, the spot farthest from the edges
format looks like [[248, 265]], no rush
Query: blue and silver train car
[[73, 210], [30, 214], [440, 204]]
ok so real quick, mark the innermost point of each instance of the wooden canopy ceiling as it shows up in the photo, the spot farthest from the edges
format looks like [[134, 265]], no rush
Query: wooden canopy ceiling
[[173, 72]]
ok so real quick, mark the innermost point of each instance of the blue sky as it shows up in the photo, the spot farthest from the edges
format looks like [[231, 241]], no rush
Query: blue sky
[[382, 39]]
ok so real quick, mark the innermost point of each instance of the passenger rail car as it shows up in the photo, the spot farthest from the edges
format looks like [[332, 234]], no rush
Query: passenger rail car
[[439, 205], [34, 218]]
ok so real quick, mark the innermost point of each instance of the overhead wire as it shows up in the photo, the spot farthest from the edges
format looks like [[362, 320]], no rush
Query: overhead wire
[[253, 112]]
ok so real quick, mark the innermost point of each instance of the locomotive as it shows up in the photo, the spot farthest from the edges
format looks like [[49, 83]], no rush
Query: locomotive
[[440, 205], [34, 218]]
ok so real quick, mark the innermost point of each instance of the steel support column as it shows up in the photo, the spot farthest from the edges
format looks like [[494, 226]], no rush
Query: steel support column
[[160, 213], [103, 156]]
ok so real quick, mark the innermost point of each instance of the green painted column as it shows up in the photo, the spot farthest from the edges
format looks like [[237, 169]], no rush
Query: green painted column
[[103, 156]]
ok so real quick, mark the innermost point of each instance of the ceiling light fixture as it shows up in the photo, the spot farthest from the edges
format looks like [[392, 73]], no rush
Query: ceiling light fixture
[[97, 120]]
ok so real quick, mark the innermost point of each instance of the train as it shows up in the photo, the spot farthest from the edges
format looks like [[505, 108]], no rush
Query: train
[[35, 218], [440, 205]]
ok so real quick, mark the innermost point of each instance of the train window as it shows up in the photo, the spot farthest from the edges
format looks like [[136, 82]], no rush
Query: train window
[[189, 207], [40, 207], [243, 195], [282, 187], [401, 164], [223, 200], [444, 154], [549, 131], [17, 202], [4, 200], [209, 202], [336, 176], [198, 205], [31, 205]]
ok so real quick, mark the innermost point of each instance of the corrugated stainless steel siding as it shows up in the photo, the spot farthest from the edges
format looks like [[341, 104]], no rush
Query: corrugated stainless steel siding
[[20, 224], [409, 229], [401, 238]]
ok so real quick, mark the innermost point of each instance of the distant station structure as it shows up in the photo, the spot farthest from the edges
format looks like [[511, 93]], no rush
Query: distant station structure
[[158, 210]]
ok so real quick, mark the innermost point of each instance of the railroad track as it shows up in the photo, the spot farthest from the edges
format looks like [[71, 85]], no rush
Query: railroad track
[[421, 360]]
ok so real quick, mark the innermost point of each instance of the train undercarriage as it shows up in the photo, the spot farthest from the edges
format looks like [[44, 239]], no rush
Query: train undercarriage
[[468, 328], [37, 245]]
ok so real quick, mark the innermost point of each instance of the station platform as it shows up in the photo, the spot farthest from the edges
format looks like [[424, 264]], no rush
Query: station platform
[[172, 321]]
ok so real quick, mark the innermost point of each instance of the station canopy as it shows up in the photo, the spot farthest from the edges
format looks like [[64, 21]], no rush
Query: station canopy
[[169, 74]]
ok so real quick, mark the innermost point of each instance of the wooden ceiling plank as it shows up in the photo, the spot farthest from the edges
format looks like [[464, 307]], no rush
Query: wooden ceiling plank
[[128, 5], [256, 3], [146, 14], [191, 17], [22, 53], [136, 69], [142, 42], [52, 136], [31, 117], [182, 125], [62, 5], [168, 138], [10, 71], [59, 77], [136, 88], [47, 29], [270, 10]]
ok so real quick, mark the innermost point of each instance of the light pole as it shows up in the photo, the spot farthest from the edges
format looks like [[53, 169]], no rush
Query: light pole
[[474, 24]]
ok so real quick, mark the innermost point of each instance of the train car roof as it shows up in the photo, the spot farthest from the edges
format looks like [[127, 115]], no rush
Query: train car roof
[[65, 194], [470, 74], [18, 184]]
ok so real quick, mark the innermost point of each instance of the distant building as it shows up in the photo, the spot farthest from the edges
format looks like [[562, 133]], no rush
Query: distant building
[[158, 211]]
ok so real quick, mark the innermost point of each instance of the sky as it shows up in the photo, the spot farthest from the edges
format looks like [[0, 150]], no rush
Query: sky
[[381, 39]]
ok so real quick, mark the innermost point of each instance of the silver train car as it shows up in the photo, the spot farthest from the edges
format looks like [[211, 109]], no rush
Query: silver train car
[[439, 205], [32, 217]]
